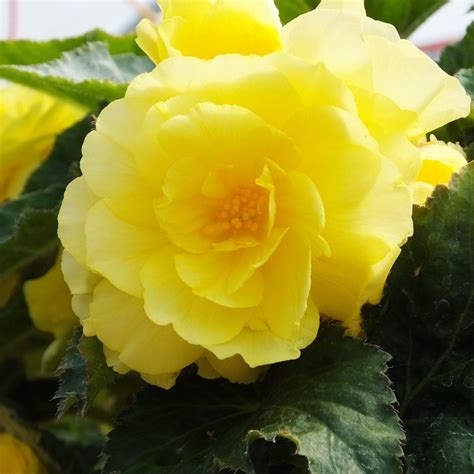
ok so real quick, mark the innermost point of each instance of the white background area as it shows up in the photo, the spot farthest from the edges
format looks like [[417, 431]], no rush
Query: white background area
[[44, 19]]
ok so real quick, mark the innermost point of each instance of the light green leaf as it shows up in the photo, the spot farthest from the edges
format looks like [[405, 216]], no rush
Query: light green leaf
[[333, 405], [406, 15], [426, 321], [34, 52], [88, 74]]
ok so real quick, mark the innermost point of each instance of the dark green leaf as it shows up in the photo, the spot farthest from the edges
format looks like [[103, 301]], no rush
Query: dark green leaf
[[406, 15], [28, 225], [460, 55], [76, 444], [88, 74], [83, 373], [34, 52], [426, 321], [333, 407]]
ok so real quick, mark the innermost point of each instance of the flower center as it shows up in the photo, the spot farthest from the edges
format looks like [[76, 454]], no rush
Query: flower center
[[244, 210]]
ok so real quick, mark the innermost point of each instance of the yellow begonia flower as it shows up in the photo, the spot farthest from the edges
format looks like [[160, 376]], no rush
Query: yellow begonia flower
[[49, 302], [29, 124], [401, 93], [17, 457], [207, 28], [224, 204], [439, 161]]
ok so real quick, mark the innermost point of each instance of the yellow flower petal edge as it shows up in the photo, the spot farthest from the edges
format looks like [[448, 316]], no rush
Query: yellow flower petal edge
[[29, 123], [439, 161], [114, 316], [245, 197], [18, 458], [207, 28], [49, 302]]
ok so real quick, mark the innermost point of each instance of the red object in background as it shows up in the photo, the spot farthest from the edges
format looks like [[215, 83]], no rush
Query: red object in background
[[12, 19]]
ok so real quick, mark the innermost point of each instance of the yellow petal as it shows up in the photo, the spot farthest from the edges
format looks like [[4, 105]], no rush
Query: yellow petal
[[315, 84], [233, 369], [121, 122], [79, 279], [122, 325], [396, 69], [228, 79], [49, 302], [208, 28], [119, 250], [355, 6], [330, 36], [210, 276], [30, 122], [287, 277], [439, 161], [338, 153], [150, 41], [17, 457], [169, 301], [110, 171], [342, 286], [78, 199], [262, 347]]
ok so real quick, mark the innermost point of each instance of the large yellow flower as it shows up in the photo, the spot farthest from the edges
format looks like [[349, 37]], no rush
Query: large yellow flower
[[224, 205], [229, 200], [17, 457], [29, 124], [207, 28]]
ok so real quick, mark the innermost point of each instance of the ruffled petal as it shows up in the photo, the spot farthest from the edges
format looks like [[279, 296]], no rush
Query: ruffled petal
[[169, 301], [118, 250], [262, 347], [126, 192], [122, 325], [207, 28], [228, 79], [287, 277], [78, 199], [233, 369]]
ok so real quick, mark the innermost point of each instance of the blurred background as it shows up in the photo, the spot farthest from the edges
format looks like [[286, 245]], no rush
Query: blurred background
[[45, 19]]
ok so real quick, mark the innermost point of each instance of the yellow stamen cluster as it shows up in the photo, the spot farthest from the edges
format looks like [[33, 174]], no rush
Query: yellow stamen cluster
[[241, 211]]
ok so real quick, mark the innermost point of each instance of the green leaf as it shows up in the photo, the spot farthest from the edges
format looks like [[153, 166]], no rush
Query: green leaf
[[88, 74], [466, 77], [76, 444], [34, 52], [426, 321], [406, 15], [460, 55], [28, 225], [83, 373], [333, 405]]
